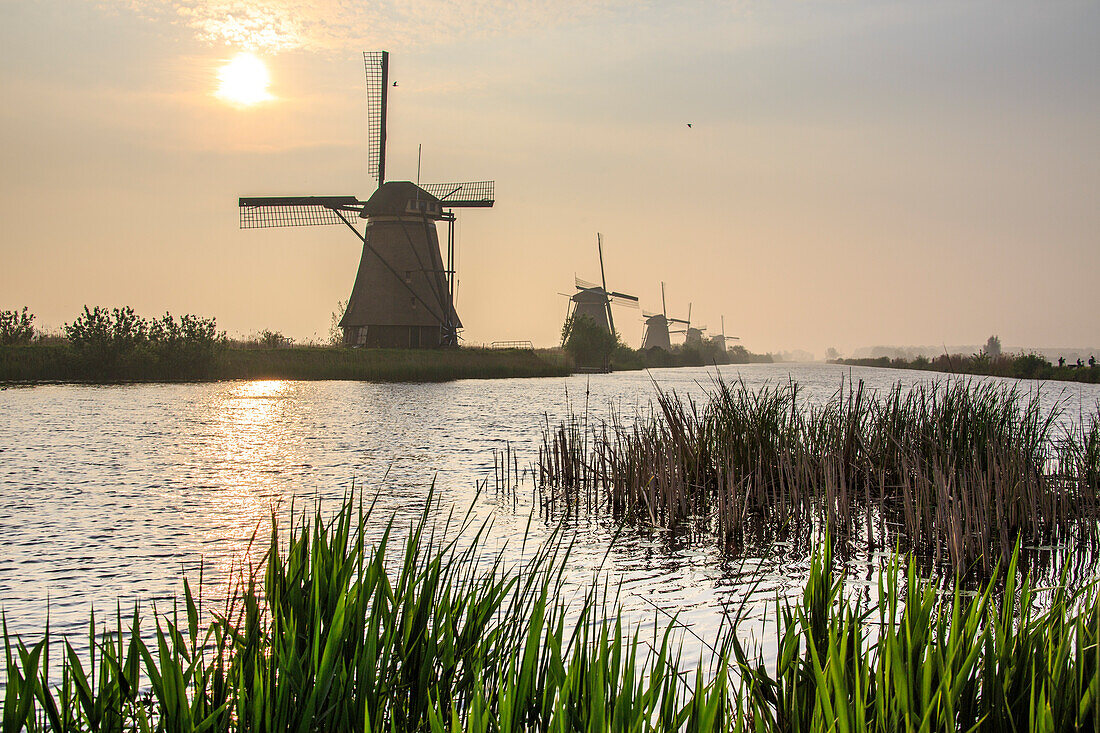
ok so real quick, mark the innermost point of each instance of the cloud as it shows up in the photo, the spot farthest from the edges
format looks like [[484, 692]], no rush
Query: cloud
[[339, 25]]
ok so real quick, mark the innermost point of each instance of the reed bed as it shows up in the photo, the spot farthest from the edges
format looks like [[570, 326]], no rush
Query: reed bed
[[958, 472], [332, 633]]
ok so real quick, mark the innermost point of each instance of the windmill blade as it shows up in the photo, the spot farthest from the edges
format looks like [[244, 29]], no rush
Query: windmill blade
[[647, 314], [295, 211], [584, 284], [678, 320], [472, 194], [627, 301], [376, 65]]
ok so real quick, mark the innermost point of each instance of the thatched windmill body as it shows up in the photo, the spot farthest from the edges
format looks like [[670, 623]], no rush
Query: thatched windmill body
[[656, 327], [403, 294], [594, 301]]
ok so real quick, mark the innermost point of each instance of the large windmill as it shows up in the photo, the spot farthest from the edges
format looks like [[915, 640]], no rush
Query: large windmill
[[656, 327], [403, 294], [594, 301]]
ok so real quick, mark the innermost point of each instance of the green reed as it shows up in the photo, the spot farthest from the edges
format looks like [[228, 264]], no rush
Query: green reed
[[332, 633], [1006, 657], [959, 472]]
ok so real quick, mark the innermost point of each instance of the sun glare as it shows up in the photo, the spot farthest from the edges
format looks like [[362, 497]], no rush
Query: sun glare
[[244, 80]]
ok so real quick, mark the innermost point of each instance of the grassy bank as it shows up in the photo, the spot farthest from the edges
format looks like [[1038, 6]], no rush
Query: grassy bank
[[957, 472], [59, 361], [1016, 366], [331, 633]]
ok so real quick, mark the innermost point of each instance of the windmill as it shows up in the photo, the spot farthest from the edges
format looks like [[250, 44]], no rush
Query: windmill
[[594, 301], [403, 294], [656, 327], [693, 336], [723, 339]]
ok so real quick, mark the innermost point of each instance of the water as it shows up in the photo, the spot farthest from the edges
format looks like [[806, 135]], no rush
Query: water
[[114, 493]]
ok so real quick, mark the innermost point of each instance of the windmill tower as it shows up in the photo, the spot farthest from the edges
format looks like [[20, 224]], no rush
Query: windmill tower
[[656, 327], [594, 301], [403, 296]]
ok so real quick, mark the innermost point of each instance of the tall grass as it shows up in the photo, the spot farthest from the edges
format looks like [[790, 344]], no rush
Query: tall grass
[[331, 633], [920, 659], [959, 472]]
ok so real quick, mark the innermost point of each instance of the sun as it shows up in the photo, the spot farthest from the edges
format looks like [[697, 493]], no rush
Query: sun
[[244, 80]]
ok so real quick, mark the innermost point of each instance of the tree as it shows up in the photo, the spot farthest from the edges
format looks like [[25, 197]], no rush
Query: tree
[[16, 327], [831, 354], [993, 347], [335, 333], [587, 342]]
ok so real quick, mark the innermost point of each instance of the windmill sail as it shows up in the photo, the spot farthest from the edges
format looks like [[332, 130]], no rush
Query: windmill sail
[[296, 211], [471, 194], [376, 64]]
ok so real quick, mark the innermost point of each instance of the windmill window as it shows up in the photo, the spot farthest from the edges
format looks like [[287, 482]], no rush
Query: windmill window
[[408, 276], [412, 302]]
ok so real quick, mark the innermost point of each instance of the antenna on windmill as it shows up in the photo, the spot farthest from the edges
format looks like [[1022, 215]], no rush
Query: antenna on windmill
[[404, 294], [419, 148]]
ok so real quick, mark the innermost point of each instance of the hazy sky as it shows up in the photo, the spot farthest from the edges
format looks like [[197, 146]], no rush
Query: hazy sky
[[857, 173]]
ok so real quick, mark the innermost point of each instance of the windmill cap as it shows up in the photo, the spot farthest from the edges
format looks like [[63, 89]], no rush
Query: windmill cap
[[402, 198]]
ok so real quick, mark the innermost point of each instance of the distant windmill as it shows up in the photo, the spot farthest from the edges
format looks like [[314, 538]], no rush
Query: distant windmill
[[656, 327], [403, 294], [724, 339], [595, 301], [691, 335]]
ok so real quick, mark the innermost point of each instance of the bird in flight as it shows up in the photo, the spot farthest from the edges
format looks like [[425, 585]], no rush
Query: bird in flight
[[689, 124], [395, 84]]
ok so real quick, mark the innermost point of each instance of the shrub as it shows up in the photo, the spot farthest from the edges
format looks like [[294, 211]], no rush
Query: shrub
[[105, 337], [16, 327], [587, 342], [273, 339], [120, 343]]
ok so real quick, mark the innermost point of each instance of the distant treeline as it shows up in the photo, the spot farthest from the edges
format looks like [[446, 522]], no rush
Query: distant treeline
[[1016, 366]]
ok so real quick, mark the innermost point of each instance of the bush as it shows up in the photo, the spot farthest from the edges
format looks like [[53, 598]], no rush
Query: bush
[[16, 327], [120, 343], [104, 338], [587, 342]]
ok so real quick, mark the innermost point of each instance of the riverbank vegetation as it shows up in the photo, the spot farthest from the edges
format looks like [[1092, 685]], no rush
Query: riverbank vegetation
[[331, 632], [1016, 366], [103, 345], [957, 473]]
